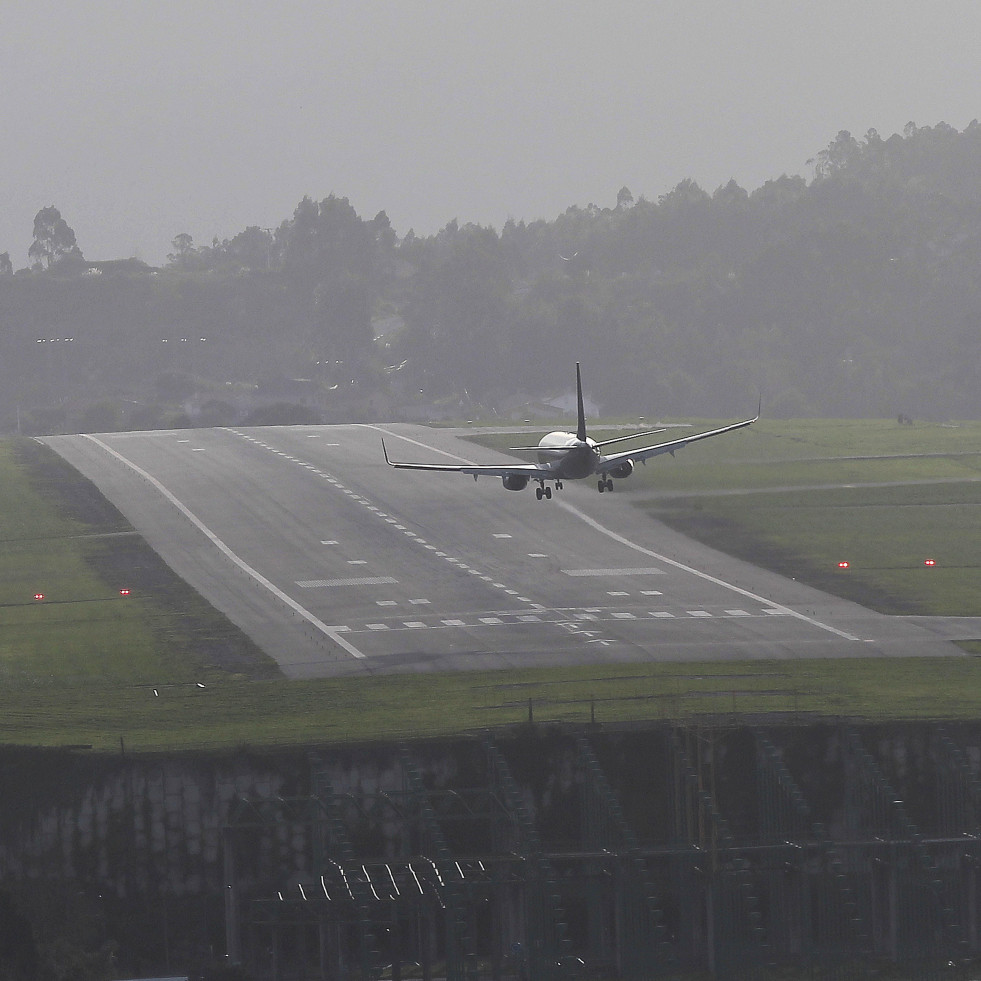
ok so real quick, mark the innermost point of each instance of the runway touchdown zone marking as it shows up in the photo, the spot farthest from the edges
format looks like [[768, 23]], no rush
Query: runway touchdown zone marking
[[574, 621], [572, 625]]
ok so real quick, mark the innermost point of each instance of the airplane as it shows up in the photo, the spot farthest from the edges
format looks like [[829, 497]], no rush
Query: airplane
[[572, 456]]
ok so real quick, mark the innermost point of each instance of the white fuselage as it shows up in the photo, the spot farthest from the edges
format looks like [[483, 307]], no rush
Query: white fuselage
[[570, 457], [573, 456]]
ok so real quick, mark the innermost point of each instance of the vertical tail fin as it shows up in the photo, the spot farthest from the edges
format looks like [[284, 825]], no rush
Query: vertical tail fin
[[581, 426]]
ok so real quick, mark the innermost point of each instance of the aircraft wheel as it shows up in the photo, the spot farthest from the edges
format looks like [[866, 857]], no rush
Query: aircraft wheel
[[538, 493], [609, 485], [548, 493], [601, 486]]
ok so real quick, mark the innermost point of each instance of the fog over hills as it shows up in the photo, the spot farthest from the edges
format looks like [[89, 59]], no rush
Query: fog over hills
[[852, 293]]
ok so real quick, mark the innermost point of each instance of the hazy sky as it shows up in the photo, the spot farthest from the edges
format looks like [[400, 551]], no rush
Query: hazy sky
[[140, 120]]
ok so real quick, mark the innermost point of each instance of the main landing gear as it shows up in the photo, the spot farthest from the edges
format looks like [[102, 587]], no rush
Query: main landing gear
[[546, 492], [605, 485]]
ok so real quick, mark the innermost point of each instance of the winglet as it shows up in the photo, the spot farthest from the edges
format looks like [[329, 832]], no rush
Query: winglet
[[581, 425]]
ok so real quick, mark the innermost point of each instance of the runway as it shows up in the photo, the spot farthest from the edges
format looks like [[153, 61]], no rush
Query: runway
[[336, 564]]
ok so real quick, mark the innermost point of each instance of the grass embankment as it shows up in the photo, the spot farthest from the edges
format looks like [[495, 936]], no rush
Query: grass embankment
[[238, 712], [87, 666], [887, 499]]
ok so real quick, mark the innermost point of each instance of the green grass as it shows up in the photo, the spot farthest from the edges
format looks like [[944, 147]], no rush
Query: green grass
[[884, 515], [87, 666], [884, 534], [61, 540], [237, 712]]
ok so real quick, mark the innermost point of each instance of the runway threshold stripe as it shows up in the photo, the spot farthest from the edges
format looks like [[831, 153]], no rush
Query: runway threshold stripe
[[228, 553], [612, 572]]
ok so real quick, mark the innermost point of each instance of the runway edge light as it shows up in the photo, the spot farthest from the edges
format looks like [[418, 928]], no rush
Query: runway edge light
[[844, 565]]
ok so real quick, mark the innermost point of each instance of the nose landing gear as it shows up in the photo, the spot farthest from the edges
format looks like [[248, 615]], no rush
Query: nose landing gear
[[605, 485]]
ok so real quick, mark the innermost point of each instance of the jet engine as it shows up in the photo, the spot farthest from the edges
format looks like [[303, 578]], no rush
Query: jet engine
[[624, 469], [514, 481]]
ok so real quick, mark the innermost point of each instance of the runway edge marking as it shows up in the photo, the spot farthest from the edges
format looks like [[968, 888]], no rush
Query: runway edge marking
[[786, 610], [225, 550]]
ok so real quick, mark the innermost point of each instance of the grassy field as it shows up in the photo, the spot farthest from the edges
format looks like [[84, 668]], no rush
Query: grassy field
[[905, 513], [88, 666], [182, 716]]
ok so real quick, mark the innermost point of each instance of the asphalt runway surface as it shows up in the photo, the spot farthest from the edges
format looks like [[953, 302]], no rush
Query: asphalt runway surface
[[336, 564]]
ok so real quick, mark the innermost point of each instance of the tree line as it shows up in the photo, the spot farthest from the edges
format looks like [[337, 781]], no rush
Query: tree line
[[854, 293]]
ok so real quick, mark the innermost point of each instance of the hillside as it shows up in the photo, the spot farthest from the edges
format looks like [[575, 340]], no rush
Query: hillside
[[853, 294]]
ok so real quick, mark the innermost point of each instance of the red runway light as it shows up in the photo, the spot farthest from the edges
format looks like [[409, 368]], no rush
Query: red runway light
[[843, 565], [930, 562], [39, 596], [124, 592]]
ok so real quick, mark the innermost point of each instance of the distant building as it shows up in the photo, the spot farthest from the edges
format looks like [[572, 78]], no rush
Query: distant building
[[568, 403], [116, 267]]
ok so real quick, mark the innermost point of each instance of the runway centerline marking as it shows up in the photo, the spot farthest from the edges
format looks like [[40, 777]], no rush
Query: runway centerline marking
[[395, 523], [776, 609], [228, 553], [786, 610]]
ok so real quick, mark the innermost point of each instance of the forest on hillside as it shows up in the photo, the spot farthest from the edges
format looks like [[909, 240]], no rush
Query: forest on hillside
[[856, 293]]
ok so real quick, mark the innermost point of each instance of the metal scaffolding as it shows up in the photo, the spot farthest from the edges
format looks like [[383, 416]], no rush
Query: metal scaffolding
[[737, 864]]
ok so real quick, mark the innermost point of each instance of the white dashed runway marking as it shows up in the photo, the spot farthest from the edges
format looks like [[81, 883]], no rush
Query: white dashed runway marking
[[575, 621], [612, 572]]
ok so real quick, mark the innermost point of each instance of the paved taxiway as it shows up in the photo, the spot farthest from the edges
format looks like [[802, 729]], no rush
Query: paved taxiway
[[336, 564]]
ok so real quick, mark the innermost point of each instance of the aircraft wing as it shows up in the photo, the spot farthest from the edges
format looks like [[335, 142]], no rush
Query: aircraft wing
[[621, 439], [644, 453], [530, 470]]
